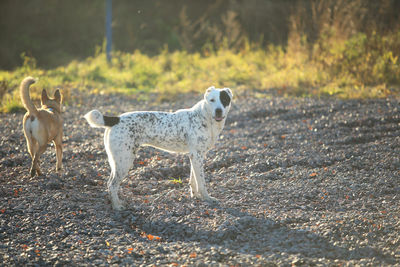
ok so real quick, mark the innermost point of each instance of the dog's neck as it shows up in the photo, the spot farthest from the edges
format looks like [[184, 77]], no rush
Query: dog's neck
[[51, 108], [214, 126]]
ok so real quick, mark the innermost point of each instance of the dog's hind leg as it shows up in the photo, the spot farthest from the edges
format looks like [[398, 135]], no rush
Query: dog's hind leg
[[119, 170], [36, 160], [32, 145], [120, 157], [32, 148]]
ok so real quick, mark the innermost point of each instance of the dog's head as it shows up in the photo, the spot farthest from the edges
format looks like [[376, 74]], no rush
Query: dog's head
[[219, 102], [54, 103]]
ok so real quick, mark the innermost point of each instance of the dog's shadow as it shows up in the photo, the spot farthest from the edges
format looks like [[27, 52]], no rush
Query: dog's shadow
[[245, 233]]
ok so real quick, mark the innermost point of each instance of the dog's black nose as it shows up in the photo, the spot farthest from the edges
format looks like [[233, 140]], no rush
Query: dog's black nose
[[218, 112]]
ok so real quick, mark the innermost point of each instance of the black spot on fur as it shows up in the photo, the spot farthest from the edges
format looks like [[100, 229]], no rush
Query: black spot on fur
[[110, 121], [32, 118], [225, 98]]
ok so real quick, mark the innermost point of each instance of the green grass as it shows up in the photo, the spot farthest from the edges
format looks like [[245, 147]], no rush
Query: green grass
[[359, 67], [176, 180]]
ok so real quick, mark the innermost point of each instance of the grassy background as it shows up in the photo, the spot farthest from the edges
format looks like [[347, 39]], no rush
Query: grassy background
[[318, 48], [362, 66]]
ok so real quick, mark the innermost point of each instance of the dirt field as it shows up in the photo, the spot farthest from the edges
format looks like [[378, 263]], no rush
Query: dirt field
[[299, 182]]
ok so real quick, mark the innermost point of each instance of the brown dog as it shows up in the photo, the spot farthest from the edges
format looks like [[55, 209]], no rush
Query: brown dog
[[41, 126]]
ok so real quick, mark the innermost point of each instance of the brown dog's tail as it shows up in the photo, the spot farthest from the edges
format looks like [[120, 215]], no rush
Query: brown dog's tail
[[25, 97]]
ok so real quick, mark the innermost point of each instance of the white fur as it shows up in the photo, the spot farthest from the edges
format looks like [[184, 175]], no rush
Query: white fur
[[193, 131], [95, 118]]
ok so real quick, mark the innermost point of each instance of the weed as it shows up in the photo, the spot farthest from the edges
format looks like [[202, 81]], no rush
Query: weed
[[361, 66], [176, 181]]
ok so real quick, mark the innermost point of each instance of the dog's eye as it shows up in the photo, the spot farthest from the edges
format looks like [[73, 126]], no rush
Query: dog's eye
[[212, 100]]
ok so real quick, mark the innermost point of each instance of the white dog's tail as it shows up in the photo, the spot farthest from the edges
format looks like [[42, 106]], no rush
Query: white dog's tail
[[98, 120]]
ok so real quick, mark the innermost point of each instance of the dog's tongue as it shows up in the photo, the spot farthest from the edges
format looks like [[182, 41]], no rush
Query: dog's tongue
[[219, 118]]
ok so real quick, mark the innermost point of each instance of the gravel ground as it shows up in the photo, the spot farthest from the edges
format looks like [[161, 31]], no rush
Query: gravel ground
[[299, 182]]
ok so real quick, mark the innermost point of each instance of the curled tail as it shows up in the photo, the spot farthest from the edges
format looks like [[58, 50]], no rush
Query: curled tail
[[25, 97], [98, 120]]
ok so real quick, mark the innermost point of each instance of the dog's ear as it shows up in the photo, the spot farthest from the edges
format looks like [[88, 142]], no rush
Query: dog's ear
[[229, 92], [44, 98], [208, 91], [57, 96]]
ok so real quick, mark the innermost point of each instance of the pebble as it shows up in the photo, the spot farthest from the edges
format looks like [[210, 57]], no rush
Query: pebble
[[299, 182]]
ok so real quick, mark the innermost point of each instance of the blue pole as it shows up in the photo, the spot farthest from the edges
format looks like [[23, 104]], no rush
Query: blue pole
[[108, 29]]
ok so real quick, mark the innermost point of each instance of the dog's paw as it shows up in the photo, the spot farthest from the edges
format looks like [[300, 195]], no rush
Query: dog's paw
[[118, 206], [211, 200], [208, 199]]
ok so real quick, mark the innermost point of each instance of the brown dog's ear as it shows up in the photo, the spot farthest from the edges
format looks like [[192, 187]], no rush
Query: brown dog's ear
[[45, 98], [57, 96]]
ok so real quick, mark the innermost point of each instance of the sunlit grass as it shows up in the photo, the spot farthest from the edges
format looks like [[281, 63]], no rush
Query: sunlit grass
[[360, 67]]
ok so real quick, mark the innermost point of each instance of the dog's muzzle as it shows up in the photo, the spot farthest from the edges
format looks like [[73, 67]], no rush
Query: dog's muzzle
[[218, 115]]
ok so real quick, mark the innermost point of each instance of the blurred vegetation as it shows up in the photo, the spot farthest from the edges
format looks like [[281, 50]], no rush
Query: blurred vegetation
[[348, 49]]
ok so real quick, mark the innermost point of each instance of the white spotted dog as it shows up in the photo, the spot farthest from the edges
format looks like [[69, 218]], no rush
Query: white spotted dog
[[193, 131]]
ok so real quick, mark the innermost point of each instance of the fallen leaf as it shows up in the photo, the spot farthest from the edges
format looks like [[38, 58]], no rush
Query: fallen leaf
[[193, 255], [313, 174]]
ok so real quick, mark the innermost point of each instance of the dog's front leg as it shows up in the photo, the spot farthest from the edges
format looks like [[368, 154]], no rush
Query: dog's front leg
[[58, 145], [197, 181], [194, 192]]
